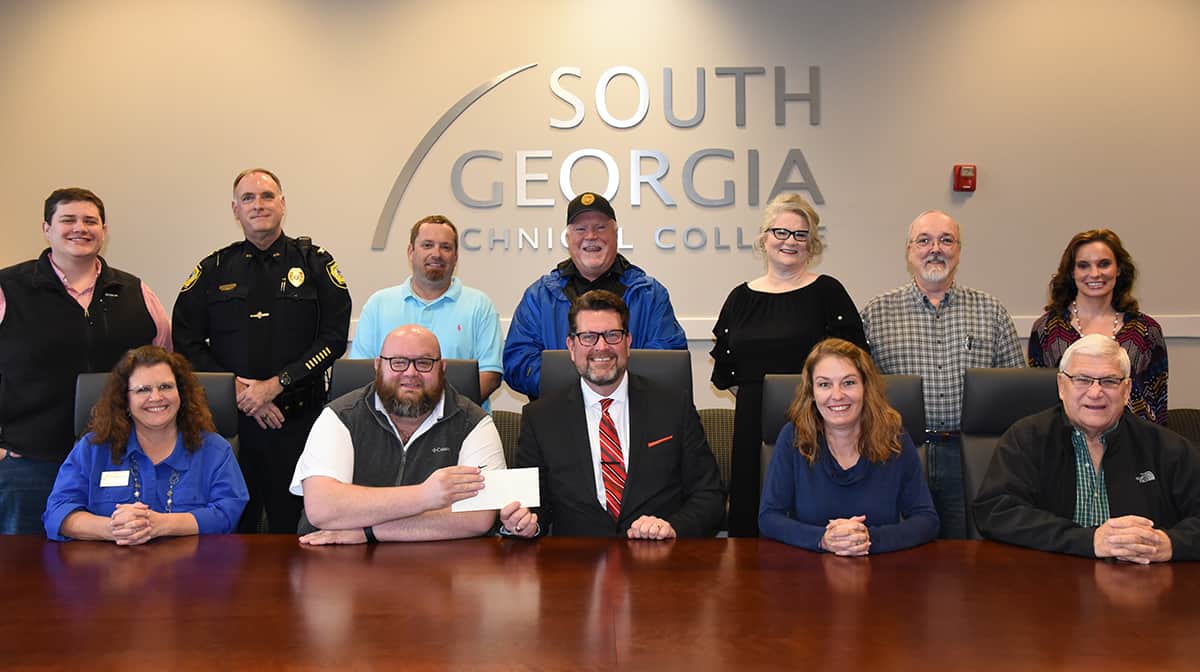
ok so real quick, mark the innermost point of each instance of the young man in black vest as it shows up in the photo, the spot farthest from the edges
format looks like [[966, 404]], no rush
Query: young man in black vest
[[386, 461], [65, 313]]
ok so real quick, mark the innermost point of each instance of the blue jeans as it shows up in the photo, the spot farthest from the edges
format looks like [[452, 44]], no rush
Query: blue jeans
[[25, 485], [946, 486]]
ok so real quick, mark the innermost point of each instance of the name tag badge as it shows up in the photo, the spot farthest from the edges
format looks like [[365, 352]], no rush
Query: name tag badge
[[114, 479]]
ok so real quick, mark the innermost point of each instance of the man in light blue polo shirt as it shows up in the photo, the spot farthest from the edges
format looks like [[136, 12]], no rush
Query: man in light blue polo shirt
[[463, 318]]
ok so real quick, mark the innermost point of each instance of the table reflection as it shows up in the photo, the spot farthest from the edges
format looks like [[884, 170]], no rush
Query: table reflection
[[1134, 586], [161, 572]]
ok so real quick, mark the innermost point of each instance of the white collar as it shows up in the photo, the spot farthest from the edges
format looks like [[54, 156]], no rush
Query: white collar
[[619, 395], [430, 420]]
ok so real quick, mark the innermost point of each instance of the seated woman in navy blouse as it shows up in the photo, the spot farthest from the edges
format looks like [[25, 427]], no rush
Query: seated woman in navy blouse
[[150, 464], [844, 477]]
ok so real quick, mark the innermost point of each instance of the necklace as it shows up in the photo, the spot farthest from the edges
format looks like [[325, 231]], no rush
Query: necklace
[[137, 483], [1078, 326]]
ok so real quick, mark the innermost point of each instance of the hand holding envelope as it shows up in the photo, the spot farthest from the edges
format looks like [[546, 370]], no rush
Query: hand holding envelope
[[502, 487]]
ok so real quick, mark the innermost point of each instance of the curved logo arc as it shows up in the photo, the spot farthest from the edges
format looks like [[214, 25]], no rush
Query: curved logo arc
[[379, 241]]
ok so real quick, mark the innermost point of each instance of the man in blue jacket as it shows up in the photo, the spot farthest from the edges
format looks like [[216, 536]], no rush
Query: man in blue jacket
[[540, 321]]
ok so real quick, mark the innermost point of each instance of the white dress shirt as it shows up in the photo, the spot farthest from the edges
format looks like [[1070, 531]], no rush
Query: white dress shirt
[[330, 452], [619, 410]]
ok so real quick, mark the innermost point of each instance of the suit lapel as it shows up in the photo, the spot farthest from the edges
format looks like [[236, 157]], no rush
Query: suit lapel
[[578, 446], [638, 414]]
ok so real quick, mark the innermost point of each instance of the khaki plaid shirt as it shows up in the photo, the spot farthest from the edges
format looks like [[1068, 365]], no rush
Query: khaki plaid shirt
[[968, 329]]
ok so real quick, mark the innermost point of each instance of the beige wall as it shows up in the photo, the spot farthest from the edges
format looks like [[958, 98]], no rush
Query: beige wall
[[1079, 115]]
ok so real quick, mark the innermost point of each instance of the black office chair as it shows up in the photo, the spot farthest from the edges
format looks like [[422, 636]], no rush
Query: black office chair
[[779, 389], [672, 368], [993, 399], [218, 387], [1185, 421], [351, 374], [904, 393]]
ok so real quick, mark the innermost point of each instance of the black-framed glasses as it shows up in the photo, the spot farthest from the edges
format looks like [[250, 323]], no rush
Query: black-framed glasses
[[925, 242], [589, 338], [145, 390], [1082, 382], [801, 235], [421, 364]]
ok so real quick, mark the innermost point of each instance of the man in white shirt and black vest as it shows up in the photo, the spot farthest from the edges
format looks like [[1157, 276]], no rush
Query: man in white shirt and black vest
[[385, 462]]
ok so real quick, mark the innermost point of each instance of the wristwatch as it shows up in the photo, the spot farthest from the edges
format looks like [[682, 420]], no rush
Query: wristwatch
[[285, 379], [505, 532]]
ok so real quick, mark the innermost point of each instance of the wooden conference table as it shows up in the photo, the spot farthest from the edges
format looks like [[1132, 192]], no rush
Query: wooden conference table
[[263, 601]]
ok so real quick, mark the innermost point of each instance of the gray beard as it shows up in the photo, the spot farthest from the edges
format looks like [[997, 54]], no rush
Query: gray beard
[[931, 275], [597, 379]]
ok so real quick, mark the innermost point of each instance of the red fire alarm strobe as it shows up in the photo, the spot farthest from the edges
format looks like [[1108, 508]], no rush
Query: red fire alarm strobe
[[964, 177]]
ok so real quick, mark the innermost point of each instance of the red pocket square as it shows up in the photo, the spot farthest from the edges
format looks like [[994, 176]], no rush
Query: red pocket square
[[658, 441]]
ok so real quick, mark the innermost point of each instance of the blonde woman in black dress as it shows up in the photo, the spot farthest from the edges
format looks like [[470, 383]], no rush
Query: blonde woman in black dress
[[769, 325]]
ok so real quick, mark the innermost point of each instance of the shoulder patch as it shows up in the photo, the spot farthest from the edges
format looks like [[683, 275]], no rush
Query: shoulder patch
[[191, 280], [335, 275]]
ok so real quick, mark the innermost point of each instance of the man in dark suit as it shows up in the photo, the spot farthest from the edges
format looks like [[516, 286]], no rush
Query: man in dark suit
[[586, 440]]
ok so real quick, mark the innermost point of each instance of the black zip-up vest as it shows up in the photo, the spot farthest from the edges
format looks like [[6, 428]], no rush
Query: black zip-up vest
[[47, 339], [379, 458]]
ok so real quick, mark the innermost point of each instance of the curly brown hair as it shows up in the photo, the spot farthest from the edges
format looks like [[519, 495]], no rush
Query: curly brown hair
[[1062, 285], [110, 421], [879, 424]]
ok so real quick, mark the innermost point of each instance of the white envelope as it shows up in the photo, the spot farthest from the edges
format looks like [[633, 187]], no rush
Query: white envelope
[[501, 488]]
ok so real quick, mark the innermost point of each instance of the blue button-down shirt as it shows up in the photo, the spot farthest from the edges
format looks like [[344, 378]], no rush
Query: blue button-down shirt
[[464, 320], [210, 485]]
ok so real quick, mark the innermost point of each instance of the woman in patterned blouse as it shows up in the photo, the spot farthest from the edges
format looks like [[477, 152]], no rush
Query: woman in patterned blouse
[[1092, 293]]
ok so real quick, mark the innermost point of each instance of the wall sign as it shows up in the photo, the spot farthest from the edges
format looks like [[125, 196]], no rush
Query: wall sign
[[644, 167]]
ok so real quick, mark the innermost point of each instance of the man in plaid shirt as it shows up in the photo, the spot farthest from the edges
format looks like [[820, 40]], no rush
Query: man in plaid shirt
[[936, 329]]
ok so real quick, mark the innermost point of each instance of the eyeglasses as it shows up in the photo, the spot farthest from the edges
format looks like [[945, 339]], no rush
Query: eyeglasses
[[926, 242], [421, 364], [801, 235], [145, 390], [1082, 382], [590, 338]]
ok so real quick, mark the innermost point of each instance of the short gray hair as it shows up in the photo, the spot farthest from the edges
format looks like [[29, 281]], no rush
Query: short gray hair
[[1097, 345]]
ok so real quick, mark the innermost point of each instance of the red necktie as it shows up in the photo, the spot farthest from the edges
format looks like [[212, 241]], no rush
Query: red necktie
[[612, 465]]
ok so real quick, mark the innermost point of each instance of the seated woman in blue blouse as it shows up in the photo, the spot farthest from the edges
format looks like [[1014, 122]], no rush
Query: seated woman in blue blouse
[[150, 464], [844, 477]]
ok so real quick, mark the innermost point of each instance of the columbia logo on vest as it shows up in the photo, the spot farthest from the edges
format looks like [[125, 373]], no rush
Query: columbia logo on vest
[[440, 449]]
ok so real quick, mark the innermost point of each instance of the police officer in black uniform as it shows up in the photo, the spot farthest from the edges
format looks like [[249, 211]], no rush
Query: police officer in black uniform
[[275, 311]]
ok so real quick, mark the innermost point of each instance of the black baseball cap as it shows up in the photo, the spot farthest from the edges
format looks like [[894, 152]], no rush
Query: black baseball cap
[[589, 201]]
